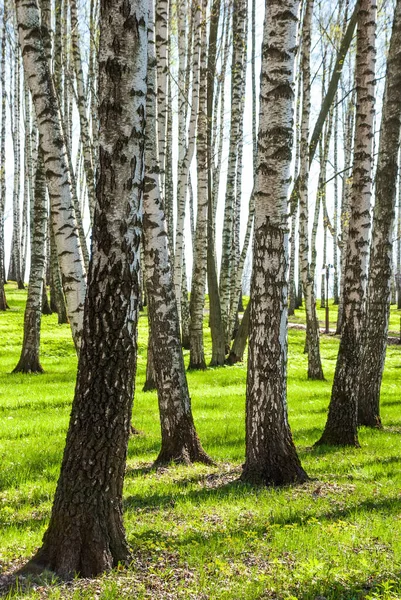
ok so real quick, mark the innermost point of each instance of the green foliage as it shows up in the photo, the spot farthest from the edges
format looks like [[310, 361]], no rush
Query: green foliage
[[198, 532]]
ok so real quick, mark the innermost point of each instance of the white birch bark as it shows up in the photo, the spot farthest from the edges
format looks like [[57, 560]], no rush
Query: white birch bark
[[341, 425], [179, 440], [56, 165], [162, 29], [185, 148], [82, 108], [271, 457], [237, 89], [3, 301], [315, 370], [198, 286], [15, 258], [378, 295], [29, 361]]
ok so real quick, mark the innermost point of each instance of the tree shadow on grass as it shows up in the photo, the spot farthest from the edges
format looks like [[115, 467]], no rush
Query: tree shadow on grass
[[226, 485], [377, 588]]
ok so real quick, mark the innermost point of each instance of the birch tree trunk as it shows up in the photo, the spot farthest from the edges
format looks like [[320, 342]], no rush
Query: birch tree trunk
[[271, 457], [198, 284], [341, 425], [29, 361], [15, 257], [185, 149], [348, 120], [239, 344], [335, 212], [315, 370], [162, 51], [378, 301], [215, 320], [180, 442], [237, 89], [86, 535], [398, 244], [82, 108], [56, 165], [3, 300]]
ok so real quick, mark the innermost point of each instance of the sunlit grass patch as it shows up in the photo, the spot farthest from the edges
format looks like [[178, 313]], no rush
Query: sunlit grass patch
[[199, 532]]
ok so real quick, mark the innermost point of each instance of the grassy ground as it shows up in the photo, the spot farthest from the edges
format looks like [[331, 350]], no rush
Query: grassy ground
[[197, 532]]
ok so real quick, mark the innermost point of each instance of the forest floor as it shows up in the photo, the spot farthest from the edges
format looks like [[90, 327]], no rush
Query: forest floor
[[197, 532]]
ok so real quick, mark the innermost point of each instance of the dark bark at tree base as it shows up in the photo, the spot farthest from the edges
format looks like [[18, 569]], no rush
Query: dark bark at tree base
[[338, 438], [281, 470], [369, 398], [46, 310], [185, 342], [316, 373], [3, 300], [198, 366], [149, 385], [236, 354], [373, 421], [21, 285], [71, 556], [28, 364], [183, 446], [233, 359]]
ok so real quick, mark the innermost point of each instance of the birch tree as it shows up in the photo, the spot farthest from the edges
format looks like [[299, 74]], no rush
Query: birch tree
[[3, 301], [198, 287], [271, 457], [341, 425], [82, 108], [227, 269], [378, 297], [315, 370], [186, 147], [86, 535], [180, 442], [56, 163], [29, 361]]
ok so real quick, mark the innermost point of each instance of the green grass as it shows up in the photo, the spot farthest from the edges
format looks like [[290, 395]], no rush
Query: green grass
[[197, 532]]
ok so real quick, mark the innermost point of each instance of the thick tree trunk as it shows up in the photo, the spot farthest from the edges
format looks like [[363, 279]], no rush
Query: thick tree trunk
[[29, 360], [378, 304], [63, 218], [271, 457], [86, 533], [341, 425], [180, 442]]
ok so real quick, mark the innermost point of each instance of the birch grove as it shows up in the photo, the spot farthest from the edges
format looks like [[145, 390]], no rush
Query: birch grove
[[219, 172]]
